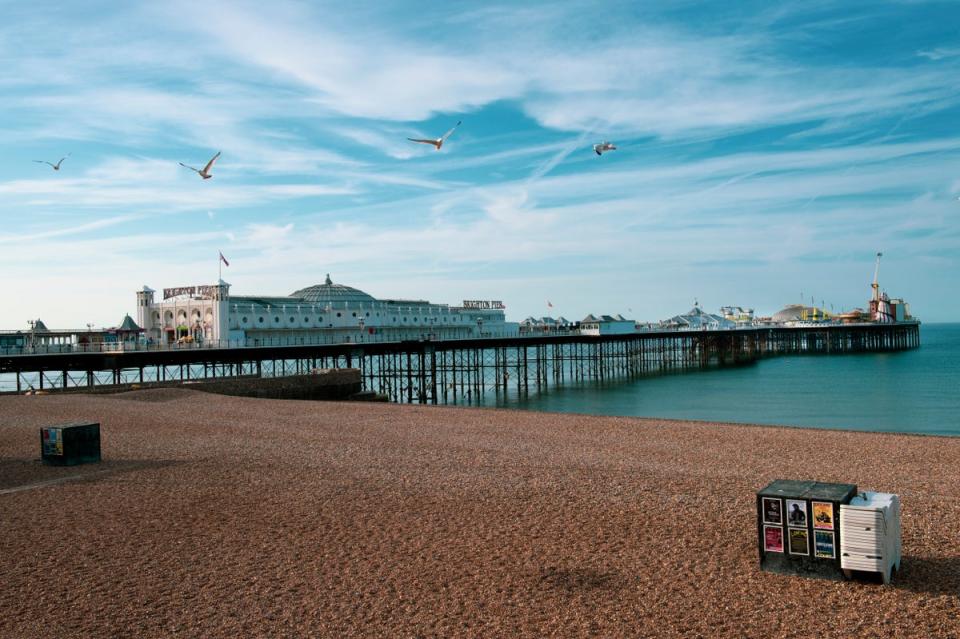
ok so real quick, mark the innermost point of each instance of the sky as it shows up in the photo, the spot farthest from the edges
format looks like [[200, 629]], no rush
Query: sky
[[764, 152]]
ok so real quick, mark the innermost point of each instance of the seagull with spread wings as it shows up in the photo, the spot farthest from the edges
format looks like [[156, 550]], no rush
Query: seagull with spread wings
[[205, 171], [602, 147], [439, 141], [56, 167]]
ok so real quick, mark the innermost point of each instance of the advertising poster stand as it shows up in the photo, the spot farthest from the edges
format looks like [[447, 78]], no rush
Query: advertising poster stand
[[798, 527]]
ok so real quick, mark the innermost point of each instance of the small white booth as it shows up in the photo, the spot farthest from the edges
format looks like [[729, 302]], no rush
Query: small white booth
[[870, 534]]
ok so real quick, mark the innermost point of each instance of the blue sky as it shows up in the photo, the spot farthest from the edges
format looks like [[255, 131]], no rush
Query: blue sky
[[764, 151]]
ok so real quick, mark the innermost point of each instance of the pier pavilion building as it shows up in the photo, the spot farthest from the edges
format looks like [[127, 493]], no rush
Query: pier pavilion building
[[322, 313]]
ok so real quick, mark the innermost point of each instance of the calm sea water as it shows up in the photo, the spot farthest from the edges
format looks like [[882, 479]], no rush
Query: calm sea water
[[915, 391]]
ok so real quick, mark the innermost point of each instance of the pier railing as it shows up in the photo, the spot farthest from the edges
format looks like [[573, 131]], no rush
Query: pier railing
[[458, 370]]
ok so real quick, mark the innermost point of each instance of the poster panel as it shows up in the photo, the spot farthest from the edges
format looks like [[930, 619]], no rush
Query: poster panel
[[772, 510], [823, 544], [797, 513], [799, 543], [823, 515], [772, 539]]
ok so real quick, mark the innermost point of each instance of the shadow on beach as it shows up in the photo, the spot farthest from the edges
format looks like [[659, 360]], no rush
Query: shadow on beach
[[929, 575], [18, 474]]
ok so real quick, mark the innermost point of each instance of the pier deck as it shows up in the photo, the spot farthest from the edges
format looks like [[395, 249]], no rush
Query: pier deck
[[459, 370]]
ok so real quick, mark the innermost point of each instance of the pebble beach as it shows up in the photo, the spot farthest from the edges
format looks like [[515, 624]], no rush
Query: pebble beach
[[214, 516]]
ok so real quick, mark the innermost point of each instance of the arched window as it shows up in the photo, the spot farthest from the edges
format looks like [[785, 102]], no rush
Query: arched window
[[244, 320], [260, 319], [276, 319], [293, 319]]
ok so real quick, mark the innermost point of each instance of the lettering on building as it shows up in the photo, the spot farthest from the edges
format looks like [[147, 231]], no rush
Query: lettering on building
[[483, 304], [204, 291]]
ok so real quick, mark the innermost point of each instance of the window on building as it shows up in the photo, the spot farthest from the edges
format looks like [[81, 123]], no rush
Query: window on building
[[293, 319], [354, 314], [306, 320], [338, 314], [244, 320], [260, 319]]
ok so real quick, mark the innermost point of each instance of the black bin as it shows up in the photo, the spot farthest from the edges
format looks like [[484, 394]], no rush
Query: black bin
[[70, 444], [798, 527]]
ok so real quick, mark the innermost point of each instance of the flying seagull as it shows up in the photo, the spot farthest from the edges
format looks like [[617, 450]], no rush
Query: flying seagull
[[599, 149], [205, 171], [439, 141], [56, 167]]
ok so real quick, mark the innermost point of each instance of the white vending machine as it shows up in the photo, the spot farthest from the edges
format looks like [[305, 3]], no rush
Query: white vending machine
[[870, 534]]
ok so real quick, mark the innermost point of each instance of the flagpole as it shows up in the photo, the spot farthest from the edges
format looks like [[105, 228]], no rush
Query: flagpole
[[219, 269]]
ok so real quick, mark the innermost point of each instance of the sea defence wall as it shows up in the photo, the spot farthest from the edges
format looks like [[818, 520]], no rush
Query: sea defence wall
[[327, 384], [457, 371], [321, 384]]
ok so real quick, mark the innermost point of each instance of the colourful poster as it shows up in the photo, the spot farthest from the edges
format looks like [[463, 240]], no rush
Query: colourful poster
[[772, 510], [823, 515], [52, 442], [823, 544], [773, 539], [797, 513], [799, 542]]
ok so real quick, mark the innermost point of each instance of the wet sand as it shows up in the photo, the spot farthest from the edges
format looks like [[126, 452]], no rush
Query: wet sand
[[219, 516]]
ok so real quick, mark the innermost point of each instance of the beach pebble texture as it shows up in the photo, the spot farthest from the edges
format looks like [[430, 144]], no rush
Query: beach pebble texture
[[214, 516]]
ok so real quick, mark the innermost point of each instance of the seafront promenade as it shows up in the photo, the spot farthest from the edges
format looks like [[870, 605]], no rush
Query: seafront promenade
[[221, 517]]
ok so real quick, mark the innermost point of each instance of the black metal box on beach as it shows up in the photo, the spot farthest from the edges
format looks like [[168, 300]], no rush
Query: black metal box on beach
[[70, 444], [798, 527]]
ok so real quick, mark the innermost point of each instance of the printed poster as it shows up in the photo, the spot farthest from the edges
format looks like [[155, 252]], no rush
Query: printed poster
[[52, 443], [773, 539], [823, 515], [797, 513], [823, 544], [772, 510], [799, 543]]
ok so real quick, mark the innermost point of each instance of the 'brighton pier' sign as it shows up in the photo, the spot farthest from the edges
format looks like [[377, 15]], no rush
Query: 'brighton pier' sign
[[484, 304], [193, 291]]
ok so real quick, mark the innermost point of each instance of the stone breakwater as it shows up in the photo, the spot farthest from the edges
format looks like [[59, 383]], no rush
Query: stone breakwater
[[224, 516]]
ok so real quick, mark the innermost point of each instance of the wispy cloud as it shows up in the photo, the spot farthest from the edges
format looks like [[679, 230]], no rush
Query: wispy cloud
[[771, 147]]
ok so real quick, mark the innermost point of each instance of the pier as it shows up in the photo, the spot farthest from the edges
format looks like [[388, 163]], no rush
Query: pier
[[458, 370]]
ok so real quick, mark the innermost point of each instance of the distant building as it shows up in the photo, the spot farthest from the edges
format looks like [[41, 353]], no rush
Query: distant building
[[65, 339], [800, 313], [326, 312], [697, 319], [546, 325], [607, 325]]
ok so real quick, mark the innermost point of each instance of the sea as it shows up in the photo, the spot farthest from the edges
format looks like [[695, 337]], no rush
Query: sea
[[915, 391]]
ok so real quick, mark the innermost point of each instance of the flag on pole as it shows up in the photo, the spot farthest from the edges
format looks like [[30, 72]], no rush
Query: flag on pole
[[224, 260], [549, 305]]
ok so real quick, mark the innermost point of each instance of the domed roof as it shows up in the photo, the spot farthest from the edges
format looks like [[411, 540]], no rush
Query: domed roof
[[328, 292]]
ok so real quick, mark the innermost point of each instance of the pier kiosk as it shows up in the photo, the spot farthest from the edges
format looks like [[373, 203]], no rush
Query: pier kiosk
[[798, 527]]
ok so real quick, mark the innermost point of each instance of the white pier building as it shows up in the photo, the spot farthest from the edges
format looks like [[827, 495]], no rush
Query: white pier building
[[323, 313]]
